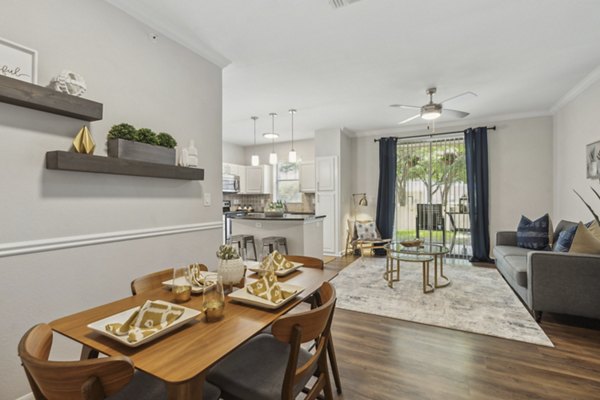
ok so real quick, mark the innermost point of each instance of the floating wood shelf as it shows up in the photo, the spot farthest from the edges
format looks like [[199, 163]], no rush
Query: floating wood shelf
[[69, 161], [24, 94]]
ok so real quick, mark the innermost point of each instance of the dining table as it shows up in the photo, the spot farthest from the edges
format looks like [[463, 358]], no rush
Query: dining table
[[182, 358]]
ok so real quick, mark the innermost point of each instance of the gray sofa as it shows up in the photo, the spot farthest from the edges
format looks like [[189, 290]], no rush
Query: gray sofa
[[563, 283]]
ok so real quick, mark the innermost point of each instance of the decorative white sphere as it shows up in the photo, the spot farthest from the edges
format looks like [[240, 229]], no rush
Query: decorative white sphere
[[68, 82]]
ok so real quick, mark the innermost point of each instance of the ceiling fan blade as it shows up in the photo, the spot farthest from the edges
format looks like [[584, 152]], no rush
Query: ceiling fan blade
[[459, 95], [409, 119], [405, 106], [455, 113]]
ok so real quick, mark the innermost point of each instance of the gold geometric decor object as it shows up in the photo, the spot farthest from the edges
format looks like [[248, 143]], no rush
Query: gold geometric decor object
[[83, 142]]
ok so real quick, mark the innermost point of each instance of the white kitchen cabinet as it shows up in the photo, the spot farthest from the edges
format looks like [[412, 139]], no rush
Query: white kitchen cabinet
[[239, 170], [307, 177], [327, 205], [258, 179], [326, 173]]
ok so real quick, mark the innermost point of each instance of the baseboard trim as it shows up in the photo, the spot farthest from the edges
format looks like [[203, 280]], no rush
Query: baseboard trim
[[28, 396], [66, 242]]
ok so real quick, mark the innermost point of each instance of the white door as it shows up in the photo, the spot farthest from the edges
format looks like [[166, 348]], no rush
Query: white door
[[307, 177], [327, 205], [254, 179], [326, 173]]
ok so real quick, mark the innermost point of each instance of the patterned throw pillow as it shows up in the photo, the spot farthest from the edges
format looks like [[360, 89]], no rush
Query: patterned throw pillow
[[585, 241], [565, 239], [534, 235], [366, 231]]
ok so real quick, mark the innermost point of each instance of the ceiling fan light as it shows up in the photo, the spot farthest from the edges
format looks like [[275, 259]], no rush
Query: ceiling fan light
[[429, 115], [292, 156], [273, 158], [255, 160]]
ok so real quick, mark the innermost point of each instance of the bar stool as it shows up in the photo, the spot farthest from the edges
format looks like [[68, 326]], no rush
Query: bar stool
[[242, 242], [275, 243]]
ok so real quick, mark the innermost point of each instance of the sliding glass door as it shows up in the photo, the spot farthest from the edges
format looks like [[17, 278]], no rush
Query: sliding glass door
[[431, 193]]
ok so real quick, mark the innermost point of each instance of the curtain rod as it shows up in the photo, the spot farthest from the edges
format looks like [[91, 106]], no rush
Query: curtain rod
[[490, 128]]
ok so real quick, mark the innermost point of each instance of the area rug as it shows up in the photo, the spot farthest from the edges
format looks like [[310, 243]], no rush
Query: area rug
[[478, 300]]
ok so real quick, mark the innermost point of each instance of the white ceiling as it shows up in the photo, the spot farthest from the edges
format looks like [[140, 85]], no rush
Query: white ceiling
[[344, 67]]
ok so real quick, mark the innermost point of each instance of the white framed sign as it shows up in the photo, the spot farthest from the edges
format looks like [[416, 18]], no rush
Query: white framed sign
[[17, 61]]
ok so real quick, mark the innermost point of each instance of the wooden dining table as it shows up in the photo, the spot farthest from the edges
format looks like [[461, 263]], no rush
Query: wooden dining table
[[183, 357]]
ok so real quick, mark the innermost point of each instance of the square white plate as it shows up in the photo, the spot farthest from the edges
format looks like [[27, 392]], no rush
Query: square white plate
[[100, 326], [243, 296], [254, 266], [195, 289]]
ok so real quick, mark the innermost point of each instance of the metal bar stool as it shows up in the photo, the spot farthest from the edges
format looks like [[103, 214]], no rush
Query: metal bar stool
[[275, 243], [242, 241]]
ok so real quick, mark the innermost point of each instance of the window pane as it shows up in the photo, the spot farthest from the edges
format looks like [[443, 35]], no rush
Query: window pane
[[289, 191], [287, 171]]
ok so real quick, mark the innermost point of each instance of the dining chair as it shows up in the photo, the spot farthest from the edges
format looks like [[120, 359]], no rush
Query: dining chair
[[112, 378], [273, 367], [154, 280], [313, 262]]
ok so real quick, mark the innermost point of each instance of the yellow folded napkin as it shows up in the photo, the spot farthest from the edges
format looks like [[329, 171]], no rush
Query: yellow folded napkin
[[267, 288], [196, 275], [276, 262], [146, 320]]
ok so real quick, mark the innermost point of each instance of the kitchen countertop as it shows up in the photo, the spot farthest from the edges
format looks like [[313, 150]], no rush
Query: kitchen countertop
[[286, 217]]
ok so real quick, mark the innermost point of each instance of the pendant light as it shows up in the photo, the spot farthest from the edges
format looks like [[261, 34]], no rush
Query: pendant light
[[292, 154], [273, 155], [255, 160]]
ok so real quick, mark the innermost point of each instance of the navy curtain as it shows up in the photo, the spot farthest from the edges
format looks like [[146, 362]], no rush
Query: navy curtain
[[476, 151], [386, 194]]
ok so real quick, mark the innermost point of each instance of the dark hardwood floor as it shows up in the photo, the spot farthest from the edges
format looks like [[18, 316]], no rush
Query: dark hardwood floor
[[384, 358]]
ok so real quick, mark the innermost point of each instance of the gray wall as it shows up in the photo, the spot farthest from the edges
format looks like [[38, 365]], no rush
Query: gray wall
[[520, 164], [234, 154], [575, 126], [158, 85]]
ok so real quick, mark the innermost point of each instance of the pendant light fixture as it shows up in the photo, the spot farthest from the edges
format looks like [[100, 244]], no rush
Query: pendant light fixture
[[273, 155], [255, 160], [292, 157]]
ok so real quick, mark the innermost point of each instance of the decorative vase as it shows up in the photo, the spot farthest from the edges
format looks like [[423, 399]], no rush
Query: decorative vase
[[232, 270]]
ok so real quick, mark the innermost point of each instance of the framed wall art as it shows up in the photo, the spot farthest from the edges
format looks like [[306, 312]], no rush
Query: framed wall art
[[593, 160], [18, 62]]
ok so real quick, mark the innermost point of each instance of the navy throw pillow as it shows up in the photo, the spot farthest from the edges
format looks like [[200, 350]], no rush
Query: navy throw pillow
[[565, 239], [534, 235]]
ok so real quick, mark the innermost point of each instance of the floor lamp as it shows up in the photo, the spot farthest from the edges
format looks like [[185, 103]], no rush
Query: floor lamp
[[362, 202]]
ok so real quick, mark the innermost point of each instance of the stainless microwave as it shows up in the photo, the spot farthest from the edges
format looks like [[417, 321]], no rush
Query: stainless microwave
[[231, 183]]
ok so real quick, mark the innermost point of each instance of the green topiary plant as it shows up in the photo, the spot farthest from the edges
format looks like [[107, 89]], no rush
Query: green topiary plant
[[146, 135], [166, 140], [122, 131], [227, 252]]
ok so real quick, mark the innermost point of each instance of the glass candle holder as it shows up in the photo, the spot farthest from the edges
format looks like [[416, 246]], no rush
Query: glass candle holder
[[182, 285], [214, 299]]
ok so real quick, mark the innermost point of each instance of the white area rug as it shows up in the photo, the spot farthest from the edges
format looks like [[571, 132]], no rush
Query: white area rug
[[478, 299]]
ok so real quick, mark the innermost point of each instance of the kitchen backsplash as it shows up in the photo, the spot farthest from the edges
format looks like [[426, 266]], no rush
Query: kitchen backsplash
[[260, 201]]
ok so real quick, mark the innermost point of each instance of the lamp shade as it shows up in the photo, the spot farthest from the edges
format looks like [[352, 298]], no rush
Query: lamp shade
[[255, 160], [292, 157], [273, 158]]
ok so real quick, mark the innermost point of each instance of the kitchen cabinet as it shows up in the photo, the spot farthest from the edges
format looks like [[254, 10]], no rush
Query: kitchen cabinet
[[258, 179], [327, 205], [326, 173], [307, 177], [239, 170]]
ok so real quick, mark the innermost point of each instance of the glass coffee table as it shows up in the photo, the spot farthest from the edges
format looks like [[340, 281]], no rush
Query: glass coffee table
[[425, 254]]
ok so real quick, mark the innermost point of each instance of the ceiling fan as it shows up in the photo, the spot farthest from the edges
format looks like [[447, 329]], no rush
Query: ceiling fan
[[433, 110]]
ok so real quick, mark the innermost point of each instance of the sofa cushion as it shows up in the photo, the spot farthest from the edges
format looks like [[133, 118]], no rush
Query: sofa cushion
[[534, 235], [517, 269], [565, 239], [504, 251], [584, 241]]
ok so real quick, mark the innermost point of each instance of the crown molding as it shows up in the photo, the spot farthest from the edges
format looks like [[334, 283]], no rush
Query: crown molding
[[410, 129], [585, 83], [191, 43]]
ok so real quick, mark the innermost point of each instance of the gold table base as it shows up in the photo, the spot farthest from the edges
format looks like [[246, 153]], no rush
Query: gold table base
[[439, 279]]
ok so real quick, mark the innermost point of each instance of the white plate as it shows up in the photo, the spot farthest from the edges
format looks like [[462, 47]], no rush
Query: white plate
[[195, 289], [254, 266], [100, 326], [243, 296]]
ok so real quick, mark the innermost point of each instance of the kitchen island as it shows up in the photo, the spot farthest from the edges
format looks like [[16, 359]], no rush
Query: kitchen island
[[304, 232]]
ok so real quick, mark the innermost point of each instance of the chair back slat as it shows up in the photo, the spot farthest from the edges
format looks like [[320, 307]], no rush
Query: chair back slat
[[66, 380], [150, 281], [308, 262]]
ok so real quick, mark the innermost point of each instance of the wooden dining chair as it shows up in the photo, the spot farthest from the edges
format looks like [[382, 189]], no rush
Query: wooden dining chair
[[154, 280], [273, 367], [313, 262]]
